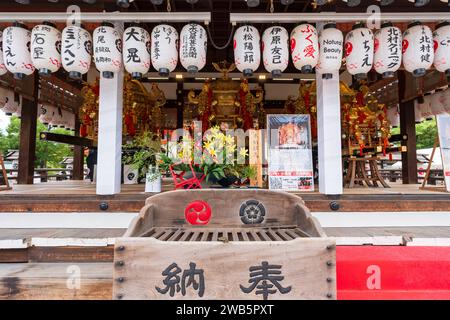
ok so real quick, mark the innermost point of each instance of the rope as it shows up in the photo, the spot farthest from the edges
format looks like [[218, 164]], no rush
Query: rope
[[214, 44]]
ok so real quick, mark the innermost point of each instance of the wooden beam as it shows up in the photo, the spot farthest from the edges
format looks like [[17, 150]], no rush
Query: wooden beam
[[27, 146], [63, 138]]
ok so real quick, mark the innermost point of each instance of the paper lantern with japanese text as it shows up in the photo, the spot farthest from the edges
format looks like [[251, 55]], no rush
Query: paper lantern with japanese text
[[247, 51], [46, 48], [107, 50], [441, 37], [437, 103], [275, 48], [417, 47], [331, 44], [76, 51], [12, 101], [388, 50], [4, 96], [16, 50], [18, 111], [425, 108], [57, 119], [136, 51], [164, 51], [305, 47], [193, 47], [446, 102], [3, 69], [359, 48], [45, 113]]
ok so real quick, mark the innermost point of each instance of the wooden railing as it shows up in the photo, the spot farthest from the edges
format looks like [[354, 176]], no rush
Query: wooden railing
[[395, 174], [43, 173]]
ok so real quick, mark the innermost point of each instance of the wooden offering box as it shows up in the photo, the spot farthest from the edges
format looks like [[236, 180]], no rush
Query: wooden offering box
[[224, 244]]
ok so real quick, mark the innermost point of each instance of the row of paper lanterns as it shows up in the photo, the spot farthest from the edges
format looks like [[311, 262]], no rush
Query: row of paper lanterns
[[47, 49], [432, 105], [11, 105], [418, 48]]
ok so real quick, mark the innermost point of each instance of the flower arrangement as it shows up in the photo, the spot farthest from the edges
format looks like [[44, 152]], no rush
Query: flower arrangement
[[217, 156]]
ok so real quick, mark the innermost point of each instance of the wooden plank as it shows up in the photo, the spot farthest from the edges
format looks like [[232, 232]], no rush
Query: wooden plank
[[71, 254], [13, 255], [226, 267], [274, 235], [175, 236], [49, 281], [185, 235]]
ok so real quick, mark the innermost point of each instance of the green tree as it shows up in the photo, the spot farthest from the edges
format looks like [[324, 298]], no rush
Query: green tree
[[426, 133], [48, 154]]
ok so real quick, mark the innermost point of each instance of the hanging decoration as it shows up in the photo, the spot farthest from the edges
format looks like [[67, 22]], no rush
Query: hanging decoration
[[46, 48], [142, 109], [331, 43], [57, 119], [3, 69], [441, 37], [388, 50], [418, 111], [76, 51], [437, 103], [393, 116], [305, 47], [136, 51], [418, 54], [247, 52], [11, 103], [275, 47], [46, 113], [359, 49], [16, 50], [193, 47], [107, 50], [164, 51]]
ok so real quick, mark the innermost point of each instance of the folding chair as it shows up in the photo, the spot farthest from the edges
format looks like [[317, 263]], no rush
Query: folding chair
[[182, 183]]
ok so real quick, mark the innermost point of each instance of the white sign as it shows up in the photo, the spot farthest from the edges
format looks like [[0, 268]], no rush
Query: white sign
[[443, 124], [290, 152]]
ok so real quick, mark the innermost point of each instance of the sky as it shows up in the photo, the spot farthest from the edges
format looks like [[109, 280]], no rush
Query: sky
[[4, 121]]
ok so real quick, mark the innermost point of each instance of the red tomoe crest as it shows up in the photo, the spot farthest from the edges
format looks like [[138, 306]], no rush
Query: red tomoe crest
[[348, 48], [405, 45], [198, 212], [436, 45], [376, 44], [234, 44], [292, 45]]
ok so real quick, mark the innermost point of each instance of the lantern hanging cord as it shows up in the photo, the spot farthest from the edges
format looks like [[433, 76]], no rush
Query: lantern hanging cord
[[215, 45]]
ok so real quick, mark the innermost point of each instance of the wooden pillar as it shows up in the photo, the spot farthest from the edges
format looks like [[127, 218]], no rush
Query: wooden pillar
[[78, 156], [27, 144], [180, 104], [408, 129]]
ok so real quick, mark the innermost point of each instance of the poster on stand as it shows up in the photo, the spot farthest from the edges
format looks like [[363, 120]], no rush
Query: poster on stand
[[443, 126], [290, 165]]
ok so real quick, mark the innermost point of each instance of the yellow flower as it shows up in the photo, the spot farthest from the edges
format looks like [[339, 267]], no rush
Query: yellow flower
[[243, 152]]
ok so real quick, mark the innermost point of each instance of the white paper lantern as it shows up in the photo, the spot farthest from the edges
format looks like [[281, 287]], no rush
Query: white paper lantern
[[76, 50], [305, 47], [164, 51], [359, 47], [418, 107], [418, 53], [46, 48], [136, 51], [16, 50], [4, 94], [57, 119], [441, 37], [3, 69], [437, 103], [193, 47], [393, 116], [107, 50], [11, 105], [275, 48], [331, 44], [388, 50], [45, 113], [247, 51]]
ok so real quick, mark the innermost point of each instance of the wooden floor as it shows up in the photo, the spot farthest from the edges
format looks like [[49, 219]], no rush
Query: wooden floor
[[88, 188]]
